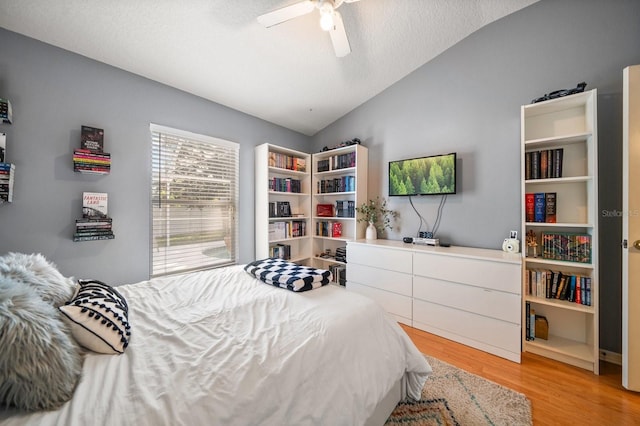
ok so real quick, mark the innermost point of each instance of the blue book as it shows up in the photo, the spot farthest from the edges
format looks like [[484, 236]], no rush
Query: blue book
[[539, 206], [572, 289]]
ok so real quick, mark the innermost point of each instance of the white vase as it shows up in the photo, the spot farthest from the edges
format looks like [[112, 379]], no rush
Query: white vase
[[372, 233]]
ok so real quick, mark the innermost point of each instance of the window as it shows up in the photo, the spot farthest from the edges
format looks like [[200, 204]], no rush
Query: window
[[194, 197]]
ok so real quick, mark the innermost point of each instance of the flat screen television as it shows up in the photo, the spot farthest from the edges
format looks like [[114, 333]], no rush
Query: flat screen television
[[433, 175]]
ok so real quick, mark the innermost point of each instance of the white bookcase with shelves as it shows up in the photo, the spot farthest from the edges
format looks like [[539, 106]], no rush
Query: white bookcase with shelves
[[339, 185], [560, 228], [282, 214]]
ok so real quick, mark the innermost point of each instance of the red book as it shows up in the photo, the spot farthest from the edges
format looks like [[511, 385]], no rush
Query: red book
[[529, 207], [337, 230]]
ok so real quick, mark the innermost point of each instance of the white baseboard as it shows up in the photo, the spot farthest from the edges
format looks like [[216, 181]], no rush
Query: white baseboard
[[612, 357]]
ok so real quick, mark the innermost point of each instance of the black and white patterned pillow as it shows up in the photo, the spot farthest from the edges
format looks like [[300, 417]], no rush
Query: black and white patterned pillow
[[98, 315], [289, 275]]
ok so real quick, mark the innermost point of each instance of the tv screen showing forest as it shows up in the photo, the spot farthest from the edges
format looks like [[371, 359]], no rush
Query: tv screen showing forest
[[423, 176]]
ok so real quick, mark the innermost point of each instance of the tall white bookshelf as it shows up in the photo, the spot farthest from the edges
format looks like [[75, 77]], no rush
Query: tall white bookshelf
[[282, 177], [339, 180], [335, 179], [563, 128]]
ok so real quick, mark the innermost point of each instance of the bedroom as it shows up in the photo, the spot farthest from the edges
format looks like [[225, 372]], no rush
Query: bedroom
[[467, 99]]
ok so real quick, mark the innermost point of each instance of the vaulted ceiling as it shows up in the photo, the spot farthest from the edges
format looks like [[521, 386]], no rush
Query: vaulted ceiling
[[287, 74]]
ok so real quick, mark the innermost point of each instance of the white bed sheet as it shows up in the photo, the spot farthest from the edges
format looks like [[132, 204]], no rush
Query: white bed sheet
[[222, 348]]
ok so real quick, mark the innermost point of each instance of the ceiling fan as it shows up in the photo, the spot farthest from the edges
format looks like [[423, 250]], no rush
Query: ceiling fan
[[330, 20]]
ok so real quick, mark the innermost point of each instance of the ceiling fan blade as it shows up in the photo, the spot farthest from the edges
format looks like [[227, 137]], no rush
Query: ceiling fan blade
[[286, 13], [339, 37]]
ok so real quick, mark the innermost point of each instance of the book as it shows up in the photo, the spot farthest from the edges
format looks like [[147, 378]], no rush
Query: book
[[6, 182], [557, 162], [539, 207], [535, 165], [93, 237], [550, 163], [92, 138], [571, 293], [301, 164], [564, 294], [562, 283], [554, 285], [95, 204], [529, 206], [336, 231], [527, 318], [579, 289], [532, 324], [566, 247], [543, 164], [6, 115], [550, 207], [3, 147]]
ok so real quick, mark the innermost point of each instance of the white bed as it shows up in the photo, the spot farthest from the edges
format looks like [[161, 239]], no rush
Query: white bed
[[222, 348]]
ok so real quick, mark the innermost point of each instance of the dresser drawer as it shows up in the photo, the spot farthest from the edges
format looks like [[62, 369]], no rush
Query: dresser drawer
[[390, 259], [500, 276], [384, 279], [488, 331], [393, 303], [489, 303]]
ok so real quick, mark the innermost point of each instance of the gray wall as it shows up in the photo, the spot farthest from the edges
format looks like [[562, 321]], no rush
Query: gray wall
[[468, 100], [53, 93]]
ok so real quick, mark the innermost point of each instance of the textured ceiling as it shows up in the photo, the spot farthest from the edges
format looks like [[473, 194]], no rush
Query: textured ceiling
[[287, 74]]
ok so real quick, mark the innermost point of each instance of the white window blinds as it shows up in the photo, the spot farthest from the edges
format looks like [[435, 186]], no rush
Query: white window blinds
[[194, 198]]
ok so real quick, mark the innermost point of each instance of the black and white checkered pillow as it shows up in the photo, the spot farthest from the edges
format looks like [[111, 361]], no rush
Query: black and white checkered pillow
[[285, 274], [98, 315]]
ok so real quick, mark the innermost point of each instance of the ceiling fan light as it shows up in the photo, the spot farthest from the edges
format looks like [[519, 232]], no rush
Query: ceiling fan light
[[326, 19]]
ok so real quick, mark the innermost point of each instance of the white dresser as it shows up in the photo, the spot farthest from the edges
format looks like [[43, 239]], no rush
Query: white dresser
[[469, 295]]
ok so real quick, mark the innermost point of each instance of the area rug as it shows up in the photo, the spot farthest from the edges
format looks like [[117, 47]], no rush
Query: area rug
[[452, 396]]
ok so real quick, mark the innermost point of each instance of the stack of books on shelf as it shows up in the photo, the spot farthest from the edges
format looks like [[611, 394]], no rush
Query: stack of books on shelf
[[537, 326], [283, 161], [566, 247], [545, 164], [90, 157], [290, 229], [95, 223], [6, 115], [337, 162], [341, 254], [85, 161], [7, 171], [339, 274], [281, 251], [91, 229], [279, 209], [341, 184], [560, 286], [328, 228], [277, 184], [541, 207], [345, 208]]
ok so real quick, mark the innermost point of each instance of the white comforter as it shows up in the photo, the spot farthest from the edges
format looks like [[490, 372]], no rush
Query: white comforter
[[222, 348]]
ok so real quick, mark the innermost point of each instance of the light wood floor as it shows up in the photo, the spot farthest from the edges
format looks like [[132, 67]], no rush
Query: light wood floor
[[560, 394]]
